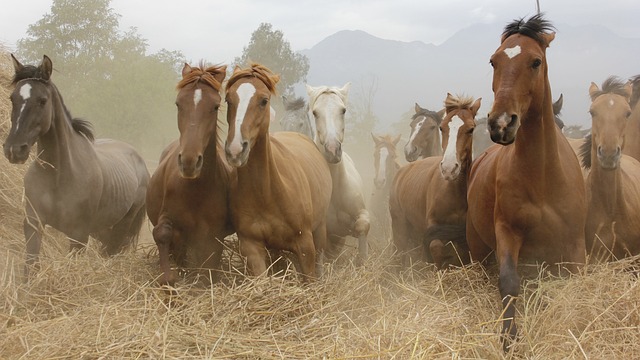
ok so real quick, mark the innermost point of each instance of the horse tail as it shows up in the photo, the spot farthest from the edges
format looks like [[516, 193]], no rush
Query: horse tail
[[133, 232]]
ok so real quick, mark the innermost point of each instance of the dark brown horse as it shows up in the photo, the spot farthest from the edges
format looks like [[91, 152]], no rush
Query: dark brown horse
[[76, 185], [187, 200], [428, 199], [284, 185], [424, 139], [526, 198], [613, 184]]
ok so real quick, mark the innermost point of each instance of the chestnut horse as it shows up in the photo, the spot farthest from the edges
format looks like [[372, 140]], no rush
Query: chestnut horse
[[527, 198], [385, 164], [187, 199], [284, 185], [347, 214], [613, 184], [424, 139], [632, 133], [428, 200], [77, 185]]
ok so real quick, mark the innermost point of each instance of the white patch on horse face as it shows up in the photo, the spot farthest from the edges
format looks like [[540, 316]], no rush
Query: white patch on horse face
[[513, 52], [416, 130], [611, 102], [450, 157], [330, 109], [503, 120], [245, 93], [25, 92], [382, 164], [197, 96]]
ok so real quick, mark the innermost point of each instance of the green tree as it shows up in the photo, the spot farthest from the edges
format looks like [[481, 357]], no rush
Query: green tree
[[269, 48], [105, 75]]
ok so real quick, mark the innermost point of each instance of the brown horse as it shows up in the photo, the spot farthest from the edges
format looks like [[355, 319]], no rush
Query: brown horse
[[632, 133], [284, 185], [187, 199], [613, 184], [424, 139], [428, 200], [385, 164], [526, 198], [78, 186]]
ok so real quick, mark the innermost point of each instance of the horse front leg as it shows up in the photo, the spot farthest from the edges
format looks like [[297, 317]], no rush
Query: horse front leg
[[163, 235], [361, 227], [33, 237], [507, 251]]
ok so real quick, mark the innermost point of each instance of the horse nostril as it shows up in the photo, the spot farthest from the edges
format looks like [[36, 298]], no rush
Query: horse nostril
[[179, 159], [24, 148], [599, 150], [245, 145], [514, 118], [199, 162]]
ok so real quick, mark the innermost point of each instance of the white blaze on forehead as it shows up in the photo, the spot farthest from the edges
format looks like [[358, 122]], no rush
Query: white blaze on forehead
[[245, 93], [450, 158], [329, 107], [384, 153], [611, 103], [25, 92], [197, 96], [513, 52], [416, 130]]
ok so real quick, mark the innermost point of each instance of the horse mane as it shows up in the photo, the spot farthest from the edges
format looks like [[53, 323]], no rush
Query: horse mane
[[255, 70], [585, 152], [32, 72], [206, 74], [534, 28], [295, 104], [428, 113], [458, 102], [635, 94], [612, 85]]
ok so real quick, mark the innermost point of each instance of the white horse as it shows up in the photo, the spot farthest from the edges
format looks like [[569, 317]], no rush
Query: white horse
[[347, 214]]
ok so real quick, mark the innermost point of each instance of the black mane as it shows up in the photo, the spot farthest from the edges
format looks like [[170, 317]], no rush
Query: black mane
[[635, 95], [29, 72], [294, 104], [585, 152], [612, 85], [534, 28]]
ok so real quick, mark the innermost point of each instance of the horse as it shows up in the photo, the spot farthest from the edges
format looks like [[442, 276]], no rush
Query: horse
[[428, 199], [482, 140], [296, 117], [187, 198], [347, 213], [424, 139], [386, 167], [613, 184], [526, 198], [282, 195], [78, 185], [632, 133]]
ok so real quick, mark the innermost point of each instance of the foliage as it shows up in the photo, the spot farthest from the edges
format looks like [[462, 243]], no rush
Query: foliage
[[104, 74], [270, 48]]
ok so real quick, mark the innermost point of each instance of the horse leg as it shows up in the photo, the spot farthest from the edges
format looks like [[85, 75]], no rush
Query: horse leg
[[305, 249], [362, 226], [507, 250], [478, 250], [207, 251], [320, 242], [163, 235], [400, 238], [256, 255], [33, 238]]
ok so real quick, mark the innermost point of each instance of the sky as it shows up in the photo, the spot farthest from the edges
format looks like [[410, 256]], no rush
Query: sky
[[216, 31]]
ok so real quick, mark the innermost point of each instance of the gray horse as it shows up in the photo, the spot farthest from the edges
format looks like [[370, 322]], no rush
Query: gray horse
[[296, 117]]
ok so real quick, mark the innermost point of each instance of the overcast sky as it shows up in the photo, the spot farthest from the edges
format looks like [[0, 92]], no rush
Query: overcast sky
[[216, 31]]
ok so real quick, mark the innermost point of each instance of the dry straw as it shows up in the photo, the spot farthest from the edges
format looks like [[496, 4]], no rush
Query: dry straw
[[84, 306]]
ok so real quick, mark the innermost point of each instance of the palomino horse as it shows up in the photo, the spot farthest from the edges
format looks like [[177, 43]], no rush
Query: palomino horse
[[386, 167], [428, 200], [424, 139], [347, 214], [284, 185], [632, 133], [76, 185], [613, 184], [187, 199], [526, 198], [296, 116]]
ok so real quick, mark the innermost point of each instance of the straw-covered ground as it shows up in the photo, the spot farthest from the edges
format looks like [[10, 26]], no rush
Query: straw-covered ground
[[84, 306]]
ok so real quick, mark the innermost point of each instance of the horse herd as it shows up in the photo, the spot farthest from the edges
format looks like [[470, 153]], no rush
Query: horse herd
[[524, 198]]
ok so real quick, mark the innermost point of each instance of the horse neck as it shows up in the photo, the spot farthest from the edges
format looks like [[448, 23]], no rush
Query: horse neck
[[56, 146], [605, 185], [260, 176], [213, 164], [436, 146]]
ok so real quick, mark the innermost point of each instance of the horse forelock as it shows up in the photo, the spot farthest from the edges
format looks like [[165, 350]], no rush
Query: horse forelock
[[612, 85], [206, 74], [29, 72], [326, 90], [428, 113], [534, 28], [258, 71], [458, 102]]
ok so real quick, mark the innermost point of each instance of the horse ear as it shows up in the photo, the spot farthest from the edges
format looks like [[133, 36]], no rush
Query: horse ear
[[186, 70], [475, 107], [345, 89], [557, 106], [221, 74], [236, 69], [441, 114], [375, 138], [47, 67], [593, 90], [548, 38], [628, 89], [312, 92], [417, 108], [16, 64]]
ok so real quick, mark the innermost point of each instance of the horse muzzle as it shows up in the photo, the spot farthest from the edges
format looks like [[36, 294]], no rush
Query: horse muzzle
[[17, 154], [190, 166], [332, 152], [609, 160], [237, 155], [411, 153], [503, 129]]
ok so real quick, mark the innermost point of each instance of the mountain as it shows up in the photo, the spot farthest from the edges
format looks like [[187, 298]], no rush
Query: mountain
[[410, 72]]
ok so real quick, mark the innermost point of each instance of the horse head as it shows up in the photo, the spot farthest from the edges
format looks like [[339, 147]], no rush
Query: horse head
[[198, 101], [457, 135], [328, 106], [384, 157], [296, 117], [424, 139]]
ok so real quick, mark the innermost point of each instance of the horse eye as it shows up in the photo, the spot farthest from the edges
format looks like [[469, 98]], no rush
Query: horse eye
[[492, 64], [42, 101], [344, 111], [536, 63], [264, 102], [440, 127], [470, 131], [628, 113]]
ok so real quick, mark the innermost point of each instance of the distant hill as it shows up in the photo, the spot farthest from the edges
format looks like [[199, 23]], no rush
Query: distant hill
[[410, 72]]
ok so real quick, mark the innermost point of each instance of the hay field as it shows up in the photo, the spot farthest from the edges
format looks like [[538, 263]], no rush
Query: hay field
[[83, 306]]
